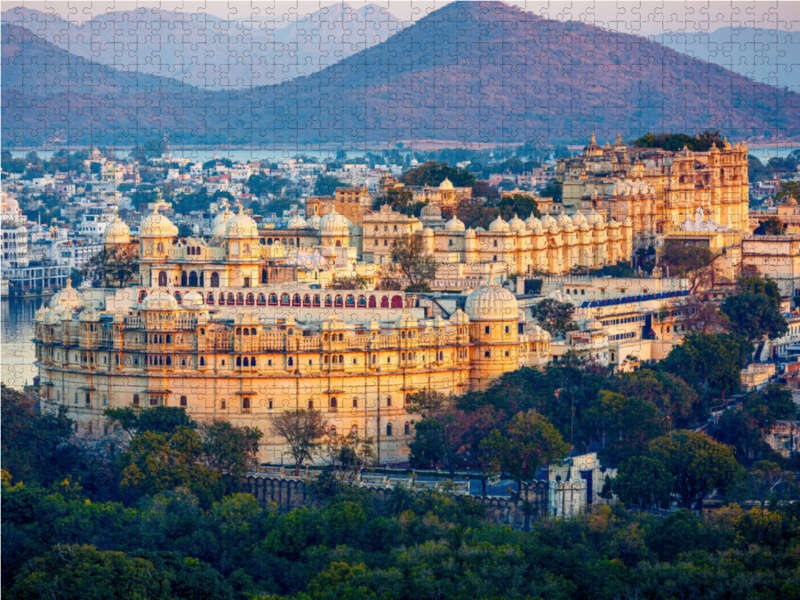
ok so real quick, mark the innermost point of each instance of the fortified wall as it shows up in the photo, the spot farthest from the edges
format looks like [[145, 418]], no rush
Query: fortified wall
[[537, 500]]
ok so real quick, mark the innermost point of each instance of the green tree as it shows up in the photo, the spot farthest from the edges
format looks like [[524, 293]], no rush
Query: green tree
[[434, 173], [37, 447], [326, 185], [554, 316], [643, 481], [688, 261], [85, 573], [113, 266], [554, 189], [770, 226], [527, 443], [755, 284], [156, 419], [230, 449], [625, 425], [412, 263], [711, 362], [754, 316], [698, 465], [400, 200], [303, 431], [155, 462], [677, 402]]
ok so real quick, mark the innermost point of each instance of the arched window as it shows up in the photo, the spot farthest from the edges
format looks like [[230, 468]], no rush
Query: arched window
[[316, 299], [238, 361], [385, 302], [388, 430], [215, 279], [239, 299], [178, 297], [251, 299], [441, 355], [239, 331], [183, 401], [246, 362], [350, 301], [306, 300], [328, 301], [334, 405], [310, 405], [253, 362], [373, 302], [273, 300], [362, 302], [397, 302], [338, 243], [246, 405], [193, 279], [284, 299], [231, 299], [162, 279], [296, 300], [202, 361], [338, 301], [210, 298], [169, 338], [291, 361], [136, 399], [142, 295], [262, 300], [252, 331]]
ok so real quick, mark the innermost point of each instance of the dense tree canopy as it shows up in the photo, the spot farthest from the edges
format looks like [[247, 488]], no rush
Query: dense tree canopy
[[434, 173]]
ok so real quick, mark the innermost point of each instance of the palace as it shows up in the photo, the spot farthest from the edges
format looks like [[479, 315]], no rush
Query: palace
[[656, 188], [201, 331]]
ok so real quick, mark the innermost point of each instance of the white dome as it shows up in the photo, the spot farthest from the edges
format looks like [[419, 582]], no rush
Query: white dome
[[455, 224], [68, 297], [241, 226], [459, 318], [516, 224], [548, 221], [297, 222], [491, 302], [578, 219], [334, 224], [117, 233], [430, 211], [594, 217], [313, 221], [446, 185], [193, 300], [498, 225], [157, 225], [532, 222], [159, 300], [563, 220]]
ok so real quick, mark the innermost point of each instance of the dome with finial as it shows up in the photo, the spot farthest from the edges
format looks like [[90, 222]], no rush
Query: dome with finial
[[726, 145], [455, 224], [117, 233], [619, 144], [563, 220], [297, 222], [593, 148], [157, 225], [516, 224], [241, 226], [430, 211], [459, 318], [334, 224], [532, 222], [159, 300], [193, 300], [491, 302], [578, 219], [446, 185], [498, 225], [313, 221], [67, 298]]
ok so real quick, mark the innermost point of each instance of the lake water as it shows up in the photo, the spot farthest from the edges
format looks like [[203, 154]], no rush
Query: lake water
[[17, 353]]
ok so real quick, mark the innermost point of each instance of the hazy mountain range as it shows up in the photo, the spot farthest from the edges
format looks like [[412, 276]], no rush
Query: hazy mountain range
[[209, 52], [468, 72], [767, 55]]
